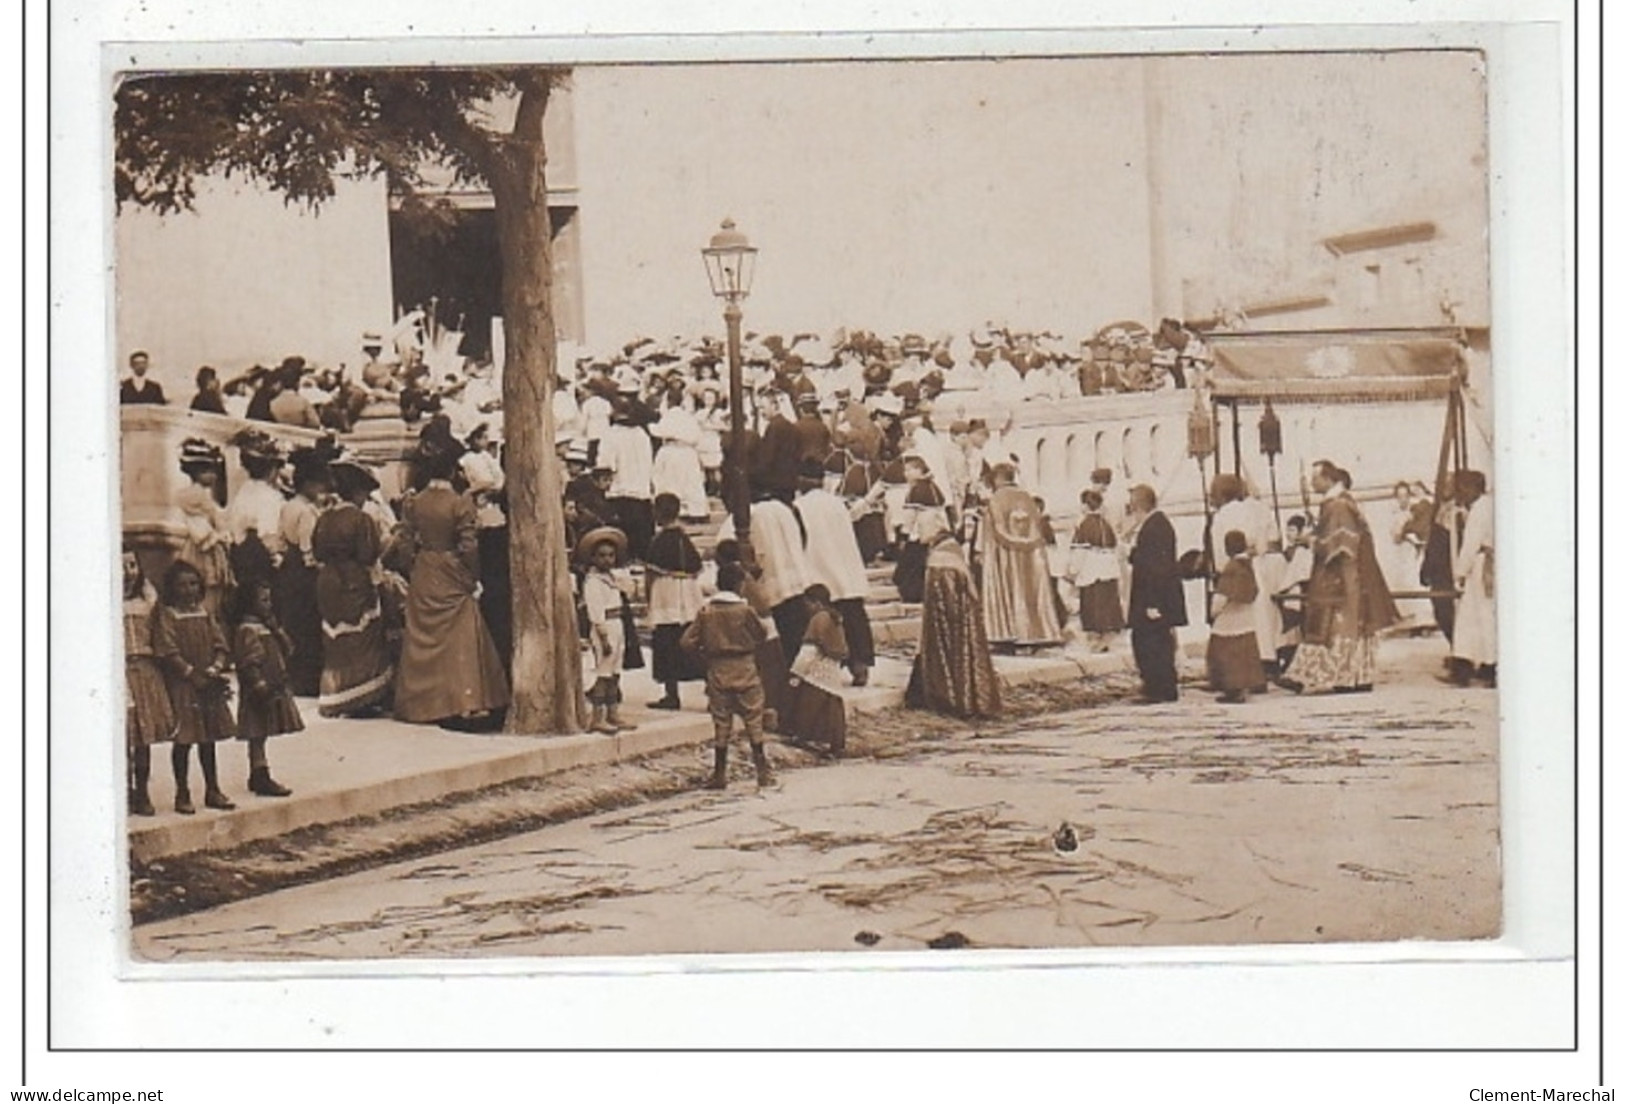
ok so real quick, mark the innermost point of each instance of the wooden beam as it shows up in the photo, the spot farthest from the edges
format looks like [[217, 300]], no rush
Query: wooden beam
[[1383, 237]]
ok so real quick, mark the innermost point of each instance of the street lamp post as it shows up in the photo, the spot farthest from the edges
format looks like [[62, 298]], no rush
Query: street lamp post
[[730, 262]]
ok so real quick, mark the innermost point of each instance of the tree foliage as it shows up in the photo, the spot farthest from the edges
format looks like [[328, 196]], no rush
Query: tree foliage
[[299, 131]]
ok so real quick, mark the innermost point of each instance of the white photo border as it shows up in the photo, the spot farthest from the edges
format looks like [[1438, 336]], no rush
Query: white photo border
[[1516, 992]]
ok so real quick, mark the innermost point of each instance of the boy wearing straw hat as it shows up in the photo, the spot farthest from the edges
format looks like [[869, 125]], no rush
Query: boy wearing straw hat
[[602, 550]]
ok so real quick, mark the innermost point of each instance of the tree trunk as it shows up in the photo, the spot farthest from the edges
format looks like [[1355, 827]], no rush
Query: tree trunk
[[547, 693]]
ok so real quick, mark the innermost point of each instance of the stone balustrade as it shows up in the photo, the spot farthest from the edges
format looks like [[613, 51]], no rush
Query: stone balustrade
[[1140, 436], [149, 462]]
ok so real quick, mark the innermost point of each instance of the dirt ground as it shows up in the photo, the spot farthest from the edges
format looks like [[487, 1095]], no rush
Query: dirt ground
[[1081, 820]]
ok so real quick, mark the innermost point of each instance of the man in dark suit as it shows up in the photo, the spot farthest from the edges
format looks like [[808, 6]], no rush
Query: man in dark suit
[[138, 389], [813, 436], [1439, 555], [776, 461], [1156, 602]]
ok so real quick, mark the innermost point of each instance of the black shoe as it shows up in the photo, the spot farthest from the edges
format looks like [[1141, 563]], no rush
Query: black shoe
[[666, 703], [183, 803], [489, 721], [261, 784], [214, 799], [719, 770], [765, 779], [1289, 684], [141, 804]]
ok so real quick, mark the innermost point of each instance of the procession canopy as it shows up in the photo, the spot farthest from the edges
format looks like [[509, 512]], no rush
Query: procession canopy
[[1335, 365]]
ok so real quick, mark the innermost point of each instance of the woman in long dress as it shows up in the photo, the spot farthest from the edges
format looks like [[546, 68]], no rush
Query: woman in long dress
[[953, 672], [450, 671], [677, 469], [1401, 555], [295, 586], [1016, 597], [924, 498], [356, 671]]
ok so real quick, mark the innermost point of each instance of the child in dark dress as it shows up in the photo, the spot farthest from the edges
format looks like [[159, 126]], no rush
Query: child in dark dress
[[1234, 666], [817, 712], [675, 596], [265, 705], [191, 646]]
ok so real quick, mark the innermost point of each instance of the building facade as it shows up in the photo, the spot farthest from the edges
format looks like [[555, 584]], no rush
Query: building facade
[[1289, 191]]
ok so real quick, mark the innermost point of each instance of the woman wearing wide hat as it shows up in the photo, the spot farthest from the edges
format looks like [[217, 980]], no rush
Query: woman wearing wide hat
[[255, 511], [207, 545], [356, 672], [450, 672]]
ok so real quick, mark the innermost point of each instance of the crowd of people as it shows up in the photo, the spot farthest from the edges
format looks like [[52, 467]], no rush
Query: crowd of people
[[991, 362], [307, 583]]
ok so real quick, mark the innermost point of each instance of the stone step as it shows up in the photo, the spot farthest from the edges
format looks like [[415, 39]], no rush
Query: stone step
[[891, 611], [892, 633]]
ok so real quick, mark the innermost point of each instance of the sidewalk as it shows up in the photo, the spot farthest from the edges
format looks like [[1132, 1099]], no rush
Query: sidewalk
[[340, 769]]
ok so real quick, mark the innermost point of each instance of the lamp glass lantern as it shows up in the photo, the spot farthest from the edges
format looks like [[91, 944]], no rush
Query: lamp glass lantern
[[730, 262]]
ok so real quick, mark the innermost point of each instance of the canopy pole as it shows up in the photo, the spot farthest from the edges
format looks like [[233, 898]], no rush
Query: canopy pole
[[1461, 427], [1207, 539], [1275, 497], [1447, 444], [1235, 437]]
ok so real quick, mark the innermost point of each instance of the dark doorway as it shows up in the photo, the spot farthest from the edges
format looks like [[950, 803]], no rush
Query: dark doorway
[[451, 261], [451, 266]]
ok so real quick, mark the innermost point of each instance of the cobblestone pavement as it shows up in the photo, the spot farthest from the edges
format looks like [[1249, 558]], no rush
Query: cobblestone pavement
[[1359, 817]]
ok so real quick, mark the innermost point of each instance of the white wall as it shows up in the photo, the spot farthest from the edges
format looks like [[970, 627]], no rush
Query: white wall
[[926, 197], [247, 279], [1265, 156]]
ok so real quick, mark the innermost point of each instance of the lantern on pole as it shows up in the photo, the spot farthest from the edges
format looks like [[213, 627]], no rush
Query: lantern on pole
[[1199, 431], [1269, 443], [1200, 438], [730, 263]]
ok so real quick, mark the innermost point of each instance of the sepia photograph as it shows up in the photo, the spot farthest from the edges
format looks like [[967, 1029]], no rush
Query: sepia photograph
[[820, 506]]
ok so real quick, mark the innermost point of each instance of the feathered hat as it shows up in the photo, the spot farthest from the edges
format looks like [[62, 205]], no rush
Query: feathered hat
[[199, 455]]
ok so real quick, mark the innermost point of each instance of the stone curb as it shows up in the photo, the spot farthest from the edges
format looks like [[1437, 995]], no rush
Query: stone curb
[[549, 755]]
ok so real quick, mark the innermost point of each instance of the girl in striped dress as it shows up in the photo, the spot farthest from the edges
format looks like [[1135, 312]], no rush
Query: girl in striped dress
[[192, 649], [148, 718]]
